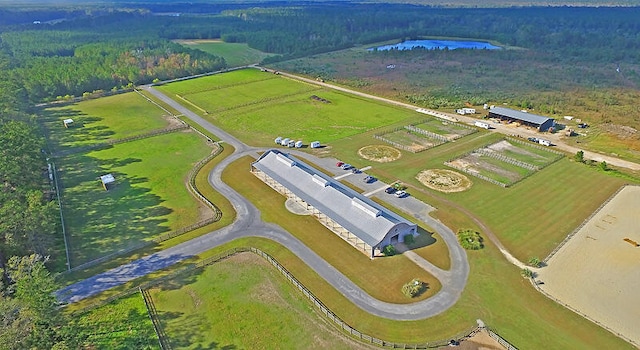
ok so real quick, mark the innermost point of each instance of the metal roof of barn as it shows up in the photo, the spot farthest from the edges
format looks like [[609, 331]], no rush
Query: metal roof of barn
[[363, 217], [524, 116]]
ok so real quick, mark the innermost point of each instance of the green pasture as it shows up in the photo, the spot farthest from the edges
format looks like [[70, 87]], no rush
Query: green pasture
[[122, 324], [283, 107], [382, 278], [102, 119], [150, 195], [215, 82], [250, 93], [242, 302], [235, 54]]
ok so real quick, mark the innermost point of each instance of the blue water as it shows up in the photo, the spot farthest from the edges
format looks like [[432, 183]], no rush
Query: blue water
[[437, 44]]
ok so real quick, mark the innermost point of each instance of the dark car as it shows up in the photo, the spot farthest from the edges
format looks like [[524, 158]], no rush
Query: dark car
[[369, 179], [355, 170], [532, 139], [389, 190]]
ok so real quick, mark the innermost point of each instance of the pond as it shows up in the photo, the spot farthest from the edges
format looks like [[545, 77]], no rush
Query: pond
[[432, 44]]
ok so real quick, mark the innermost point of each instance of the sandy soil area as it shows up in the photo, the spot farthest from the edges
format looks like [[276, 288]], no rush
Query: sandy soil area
[[597, 272], [379, 153], [444, 180]]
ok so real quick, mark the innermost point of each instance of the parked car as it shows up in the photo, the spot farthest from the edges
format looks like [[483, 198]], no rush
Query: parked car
[[346, 166], [369, 179], [355, 170], [400, 194], [389, 190], [532, 139], [339, 164]]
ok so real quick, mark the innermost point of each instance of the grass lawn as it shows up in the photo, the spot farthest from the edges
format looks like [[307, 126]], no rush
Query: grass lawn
[[102, 119], [235, 54], [249, 93], [242, 302], [215, 82], [149, 197], [121, 324], [381, 278], [258, 111]]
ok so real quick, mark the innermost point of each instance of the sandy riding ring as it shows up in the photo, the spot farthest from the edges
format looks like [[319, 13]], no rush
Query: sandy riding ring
[[444, 180], [379, 153]]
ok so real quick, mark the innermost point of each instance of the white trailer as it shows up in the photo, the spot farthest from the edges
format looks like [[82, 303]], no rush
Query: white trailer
[[299, 144], [482, 125], [544, 142], [285, 141], [278, 140], [315, 144]]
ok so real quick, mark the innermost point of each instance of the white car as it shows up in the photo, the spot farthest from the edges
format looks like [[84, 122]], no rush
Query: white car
[[400, 194]]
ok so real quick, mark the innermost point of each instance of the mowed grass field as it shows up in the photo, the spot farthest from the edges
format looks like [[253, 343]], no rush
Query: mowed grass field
[[149, 197], [267, 312], [257, 110], [120, 325], [235, 54], [102, 119]]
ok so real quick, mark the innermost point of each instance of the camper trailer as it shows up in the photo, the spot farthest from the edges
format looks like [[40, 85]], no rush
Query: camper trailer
[[278, 140], [482, 125], [291, 144], [299, 144], [285, 141], [315, 144], [544, 142]]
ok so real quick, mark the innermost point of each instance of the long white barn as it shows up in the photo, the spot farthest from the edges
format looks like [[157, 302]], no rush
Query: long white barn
[[357, 219]]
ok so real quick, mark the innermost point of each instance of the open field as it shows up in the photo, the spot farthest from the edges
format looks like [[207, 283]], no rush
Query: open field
[[265, 311], [235, 54], [122, 324], [382, 278], [102, 119], [150, 196], [597, 272], [446, 80], [281, 107]]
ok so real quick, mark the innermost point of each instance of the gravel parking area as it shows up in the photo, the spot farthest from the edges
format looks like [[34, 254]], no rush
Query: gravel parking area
[[597, 272]]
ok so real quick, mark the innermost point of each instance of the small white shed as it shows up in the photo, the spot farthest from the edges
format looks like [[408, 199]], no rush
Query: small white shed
[[107, 180]]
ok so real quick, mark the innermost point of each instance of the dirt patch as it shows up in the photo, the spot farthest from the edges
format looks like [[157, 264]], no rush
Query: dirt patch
[[444, 180], [479, 341], [379, 153], [621, 131]]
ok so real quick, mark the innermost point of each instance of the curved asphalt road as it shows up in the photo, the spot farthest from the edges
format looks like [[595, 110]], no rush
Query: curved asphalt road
[[248, 224]]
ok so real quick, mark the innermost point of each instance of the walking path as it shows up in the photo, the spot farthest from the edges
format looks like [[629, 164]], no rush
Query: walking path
[[248, 224]]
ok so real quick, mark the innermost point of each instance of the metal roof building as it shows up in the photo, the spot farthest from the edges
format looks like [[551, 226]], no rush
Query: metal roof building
[[361, 222], [529, 119]]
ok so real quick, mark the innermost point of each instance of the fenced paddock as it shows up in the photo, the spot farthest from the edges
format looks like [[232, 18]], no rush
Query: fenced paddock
[[411, 140], [596, 273], [504, 163], [450, 130]]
